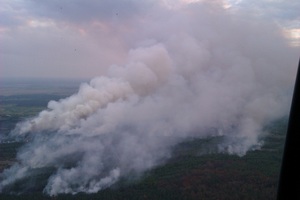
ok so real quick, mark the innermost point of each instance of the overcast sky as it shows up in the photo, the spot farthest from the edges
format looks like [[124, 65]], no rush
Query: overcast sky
[[81, 39]]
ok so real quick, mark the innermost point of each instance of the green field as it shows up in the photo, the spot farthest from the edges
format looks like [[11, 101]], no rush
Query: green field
[[191, 173]]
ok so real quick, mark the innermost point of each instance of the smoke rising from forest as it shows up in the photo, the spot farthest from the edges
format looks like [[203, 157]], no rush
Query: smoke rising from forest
[[200, 73]]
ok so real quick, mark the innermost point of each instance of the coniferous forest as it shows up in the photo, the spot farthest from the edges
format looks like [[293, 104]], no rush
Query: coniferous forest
[[195, 170]]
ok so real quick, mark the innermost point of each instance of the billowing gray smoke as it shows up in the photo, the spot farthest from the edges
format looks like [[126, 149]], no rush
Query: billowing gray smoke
[[198, 74]]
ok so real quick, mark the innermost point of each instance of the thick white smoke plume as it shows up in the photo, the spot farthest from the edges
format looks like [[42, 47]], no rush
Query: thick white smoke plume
[[197, 74]]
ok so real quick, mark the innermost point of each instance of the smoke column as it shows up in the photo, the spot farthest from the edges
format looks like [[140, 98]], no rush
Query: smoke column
[[199, 73]]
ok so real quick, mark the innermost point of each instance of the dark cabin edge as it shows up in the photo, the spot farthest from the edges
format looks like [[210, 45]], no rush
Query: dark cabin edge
[[289, 178]]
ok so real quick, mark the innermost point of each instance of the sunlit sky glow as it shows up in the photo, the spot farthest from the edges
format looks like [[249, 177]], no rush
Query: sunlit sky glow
[[82, 39]]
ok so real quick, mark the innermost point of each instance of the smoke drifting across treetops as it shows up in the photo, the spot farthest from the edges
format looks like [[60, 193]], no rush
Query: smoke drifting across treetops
[[197, 72]]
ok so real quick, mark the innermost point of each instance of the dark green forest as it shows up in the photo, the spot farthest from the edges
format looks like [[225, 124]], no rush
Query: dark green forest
[[191, 173]]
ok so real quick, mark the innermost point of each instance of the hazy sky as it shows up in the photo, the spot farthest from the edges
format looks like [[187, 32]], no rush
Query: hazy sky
[[81, 39]]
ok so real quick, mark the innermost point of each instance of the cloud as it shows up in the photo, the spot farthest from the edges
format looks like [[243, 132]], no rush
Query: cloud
[[278, 9], [84, 11], [52, 38], [10, 13], [49, 38]]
